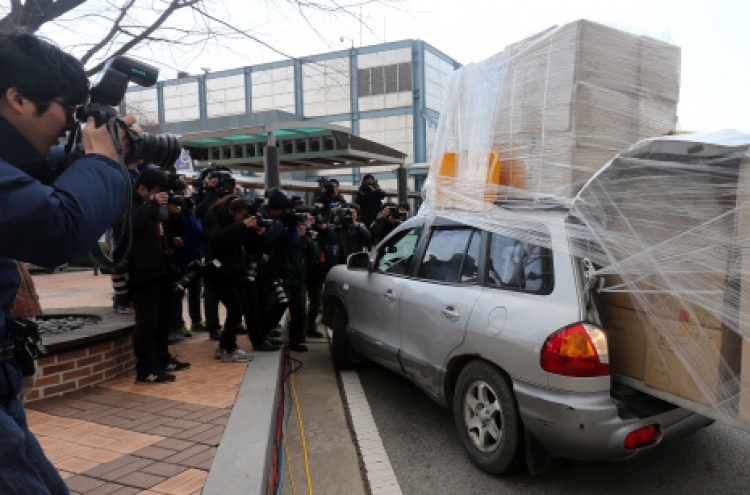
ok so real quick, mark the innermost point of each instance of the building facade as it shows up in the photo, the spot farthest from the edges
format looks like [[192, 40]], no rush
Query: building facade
[[390, 93]]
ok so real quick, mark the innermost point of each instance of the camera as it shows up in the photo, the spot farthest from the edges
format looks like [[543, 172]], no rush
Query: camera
[[226, 183], [266, 223], [192, 270], [291, 218], [106, 93], [296, 201], [311, 232], [393, 212], [344, 215]]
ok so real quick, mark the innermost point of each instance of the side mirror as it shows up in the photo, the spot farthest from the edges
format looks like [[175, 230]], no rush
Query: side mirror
[[358, 261]]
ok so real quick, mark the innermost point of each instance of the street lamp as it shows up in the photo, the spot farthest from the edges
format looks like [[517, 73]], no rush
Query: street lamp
[[347, 38]]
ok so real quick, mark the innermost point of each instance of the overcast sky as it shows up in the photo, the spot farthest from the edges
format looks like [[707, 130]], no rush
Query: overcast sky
[[714, 36]]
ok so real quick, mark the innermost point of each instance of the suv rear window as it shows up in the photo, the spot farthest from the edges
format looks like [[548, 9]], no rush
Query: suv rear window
[[520, 266]]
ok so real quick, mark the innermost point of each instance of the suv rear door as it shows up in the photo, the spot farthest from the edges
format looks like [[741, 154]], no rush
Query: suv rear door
[[435, 306]]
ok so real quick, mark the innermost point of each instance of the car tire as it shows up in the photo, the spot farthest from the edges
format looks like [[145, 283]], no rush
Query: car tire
[[341, 351], [487, 419]]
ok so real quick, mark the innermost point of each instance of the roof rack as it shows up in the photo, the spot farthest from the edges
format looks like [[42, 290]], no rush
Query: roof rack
[[550, 203]]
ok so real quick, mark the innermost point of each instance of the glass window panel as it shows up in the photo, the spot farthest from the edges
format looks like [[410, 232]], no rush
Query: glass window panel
[[378, 81], [391, 78], [404, 77], [363, 82], [397, 255], [444, 256], [517, 265]]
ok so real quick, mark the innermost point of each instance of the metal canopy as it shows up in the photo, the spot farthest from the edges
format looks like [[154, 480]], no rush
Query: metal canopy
[[302, 145]]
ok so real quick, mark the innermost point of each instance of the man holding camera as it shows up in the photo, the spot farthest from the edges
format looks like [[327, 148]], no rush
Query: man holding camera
[[391, 217], [353, 236], [370, 199], [50, 213], [329, 197]]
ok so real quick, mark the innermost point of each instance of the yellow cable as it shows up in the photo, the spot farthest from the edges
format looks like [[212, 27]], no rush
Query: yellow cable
[[304, 443], [289, 468]]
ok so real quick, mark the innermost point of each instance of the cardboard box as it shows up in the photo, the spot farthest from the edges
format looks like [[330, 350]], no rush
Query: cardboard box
[[744, 400], [626, 336], [685, 360], [666, 305]]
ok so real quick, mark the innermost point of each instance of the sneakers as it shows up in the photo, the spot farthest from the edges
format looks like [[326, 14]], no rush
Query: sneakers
[[236, 356], [298, 347], [175, 365], [218, 352], [198, 326], [274, 334], [156, 376], [267, 346], [215, 334], [314, 334], [278, 342]]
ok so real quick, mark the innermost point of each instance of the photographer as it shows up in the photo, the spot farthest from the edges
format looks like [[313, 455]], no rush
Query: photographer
[[370, 199], [230, 231], [391, 217], [189, 251], [295, 261], [353, 236], [282, 235], [217, 183], [50, 213], [329, 197], [317, 270], [152, 271]]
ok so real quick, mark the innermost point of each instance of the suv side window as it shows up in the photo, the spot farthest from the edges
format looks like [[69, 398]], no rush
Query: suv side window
[[444, 258], [398, 254], [517, 265]]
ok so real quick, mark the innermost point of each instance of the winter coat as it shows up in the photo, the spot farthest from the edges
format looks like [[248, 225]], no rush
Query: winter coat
[[48, 225]]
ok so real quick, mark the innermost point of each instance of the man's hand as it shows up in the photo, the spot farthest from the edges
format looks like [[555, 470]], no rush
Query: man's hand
[[98, 140], [161, 198], [251, 222], [173, 209]]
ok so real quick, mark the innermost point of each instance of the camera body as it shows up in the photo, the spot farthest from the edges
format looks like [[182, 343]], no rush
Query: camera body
[[345, 218], [311, 232], [192, 270], [226, 183], [266, 223], [106, 93]]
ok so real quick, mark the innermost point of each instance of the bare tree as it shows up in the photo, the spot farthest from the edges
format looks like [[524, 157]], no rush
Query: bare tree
[[115, 27]]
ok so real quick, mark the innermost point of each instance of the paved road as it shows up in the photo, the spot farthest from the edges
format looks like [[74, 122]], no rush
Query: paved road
[[428, 458]]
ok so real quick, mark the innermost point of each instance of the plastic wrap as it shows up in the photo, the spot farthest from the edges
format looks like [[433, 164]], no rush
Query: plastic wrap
[[664, 221]]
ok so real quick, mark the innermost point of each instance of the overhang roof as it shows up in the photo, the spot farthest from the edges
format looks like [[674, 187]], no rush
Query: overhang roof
[[303, 145]]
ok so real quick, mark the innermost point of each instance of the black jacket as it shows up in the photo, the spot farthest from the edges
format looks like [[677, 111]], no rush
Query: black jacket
[[370, 201], [152, 250], [227, 242]]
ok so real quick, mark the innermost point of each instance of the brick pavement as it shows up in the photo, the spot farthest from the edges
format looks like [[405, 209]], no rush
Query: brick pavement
[[122, 438]]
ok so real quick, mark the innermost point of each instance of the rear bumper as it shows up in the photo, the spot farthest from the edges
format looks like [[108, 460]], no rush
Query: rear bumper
[[588, 427]]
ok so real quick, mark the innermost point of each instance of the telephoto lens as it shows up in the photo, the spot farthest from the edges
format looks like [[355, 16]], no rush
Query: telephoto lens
[[280, 294], [252, 270]]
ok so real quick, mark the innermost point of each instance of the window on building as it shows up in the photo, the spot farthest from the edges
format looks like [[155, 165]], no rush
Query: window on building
[[385, 79]]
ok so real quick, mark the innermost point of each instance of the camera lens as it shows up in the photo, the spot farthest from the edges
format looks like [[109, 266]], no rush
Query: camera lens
[[160, 149]]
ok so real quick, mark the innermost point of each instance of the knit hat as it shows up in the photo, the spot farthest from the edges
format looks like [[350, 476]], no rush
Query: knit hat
[[277, 200]]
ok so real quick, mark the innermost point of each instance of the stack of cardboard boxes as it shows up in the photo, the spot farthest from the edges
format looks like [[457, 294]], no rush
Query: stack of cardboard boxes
[[674, 314], [573, 97]]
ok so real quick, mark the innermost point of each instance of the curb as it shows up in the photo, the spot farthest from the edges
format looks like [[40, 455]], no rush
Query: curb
[[244, 459]]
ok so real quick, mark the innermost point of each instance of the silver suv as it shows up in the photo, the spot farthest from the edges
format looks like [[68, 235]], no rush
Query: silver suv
[[502, 331]]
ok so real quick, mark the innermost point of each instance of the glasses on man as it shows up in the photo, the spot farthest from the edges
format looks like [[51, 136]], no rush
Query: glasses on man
[[70, 110]]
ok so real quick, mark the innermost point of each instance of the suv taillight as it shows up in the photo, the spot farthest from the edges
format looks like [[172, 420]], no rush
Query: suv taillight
[[576, 350]]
